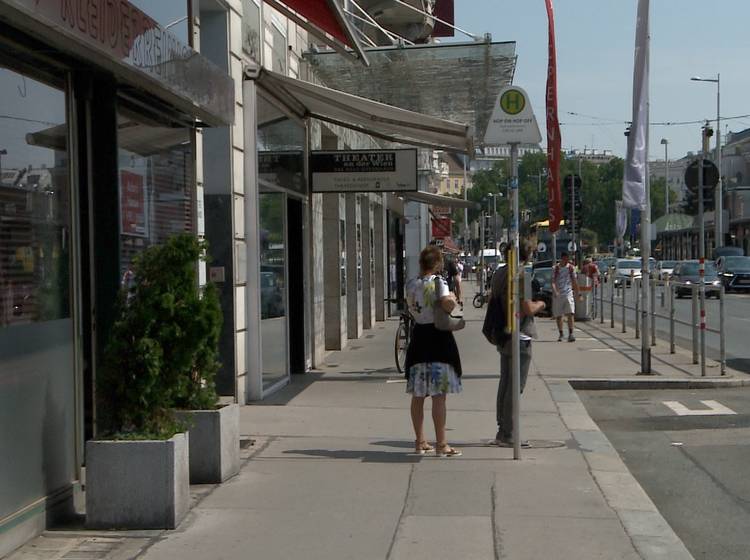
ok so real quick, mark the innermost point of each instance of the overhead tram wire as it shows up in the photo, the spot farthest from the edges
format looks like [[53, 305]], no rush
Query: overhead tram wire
[[604, 121]]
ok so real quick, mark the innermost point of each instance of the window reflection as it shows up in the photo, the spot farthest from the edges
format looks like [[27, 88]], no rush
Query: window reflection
[[34, 202], [272, 287], [155, 186]]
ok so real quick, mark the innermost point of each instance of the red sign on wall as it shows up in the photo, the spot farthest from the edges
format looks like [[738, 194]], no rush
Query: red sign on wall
[[441, 227], [132, 204]]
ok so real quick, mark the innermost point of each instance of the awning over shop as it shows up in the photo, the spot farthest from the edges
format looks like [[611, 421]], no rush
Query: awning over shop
[[455, 81], [325, 20], [439, 200], [306, 99]]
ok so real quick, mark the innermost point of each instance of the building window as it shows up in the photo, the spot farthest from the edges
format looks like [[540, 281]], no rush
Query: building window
[[156, 185]]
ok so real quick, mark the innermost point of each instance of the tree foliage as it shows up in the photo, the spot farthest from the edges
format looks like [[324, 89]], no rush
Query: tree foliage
[[163, 348]]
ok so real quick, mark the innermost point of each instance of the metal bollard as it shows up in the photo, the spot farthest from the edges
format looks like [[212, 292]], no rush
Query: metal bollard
[[624, 318], [694, 299], [612, 305], [722, 344], [664, 292], [636, 287], [653, 311], [601, 302], [671, 318]]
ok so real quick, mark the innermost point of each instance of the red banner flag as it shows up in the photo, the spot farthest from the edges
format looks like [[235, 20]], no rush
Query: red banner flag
[[553, 130]]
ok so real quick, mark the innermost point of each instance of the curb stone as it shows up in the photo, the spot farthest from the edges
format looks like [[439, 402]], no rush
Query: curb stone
[[611, 384], [650, 533]]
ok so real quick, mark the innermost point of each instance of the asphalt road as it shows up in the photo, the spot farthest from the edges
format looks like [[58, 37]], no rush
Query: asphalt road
[[694, 467], [737, 324]]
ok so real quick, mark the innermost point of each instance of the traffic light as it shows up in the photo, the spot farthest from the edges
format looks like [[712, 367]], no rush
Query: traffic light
[[573, 202]]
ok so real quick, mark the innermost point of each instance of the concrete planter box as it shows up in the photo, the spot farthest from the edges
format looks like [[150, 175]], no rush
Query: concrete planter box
[[214, 443], [137, 484]]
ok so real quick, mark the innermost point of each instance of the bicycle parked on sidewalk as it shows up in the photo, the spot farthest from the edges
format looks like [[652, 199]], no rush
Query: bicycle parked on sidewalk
[[480, 298], [403, 333]]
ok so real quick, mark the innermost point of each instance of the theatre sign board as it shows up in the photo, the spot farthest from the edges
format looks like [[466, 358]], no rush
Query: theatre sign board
[[364, 170]]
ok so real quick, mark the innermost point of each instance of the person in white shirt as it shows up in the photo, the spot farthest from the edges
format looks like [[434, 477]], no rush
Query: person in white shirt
[[565, 294], [433, 365]]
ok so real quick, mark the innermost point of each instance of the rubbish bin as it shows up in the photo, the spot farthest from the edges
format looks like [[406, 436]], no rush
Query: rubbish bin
[[584, 301]]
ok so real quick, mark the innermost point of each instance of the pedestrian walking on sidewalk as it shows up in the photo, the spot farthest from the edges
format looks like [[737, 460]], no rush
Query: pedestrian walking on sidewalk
[[433, 365], [565, 294], [529, 308]]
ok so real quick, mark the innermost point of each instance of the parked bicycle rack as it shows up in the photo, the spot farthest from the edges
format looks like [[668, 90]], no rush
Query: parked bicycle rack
[[667, 287]]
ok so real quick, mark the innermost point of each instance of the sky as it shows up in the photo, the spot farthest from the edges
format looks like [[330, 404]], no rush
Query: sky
[[595, 42]]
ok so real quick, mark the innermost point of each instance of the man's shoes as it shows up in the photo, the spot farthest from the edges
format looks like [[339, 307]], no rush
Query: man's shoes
[[502, 440], [571, 338], [560, 338]]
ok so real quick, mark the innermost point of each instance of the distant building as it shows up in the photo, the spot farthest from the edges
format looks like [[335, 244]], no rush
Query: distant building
[[452, 175], [487, 157], [675, 171], [597, 157]]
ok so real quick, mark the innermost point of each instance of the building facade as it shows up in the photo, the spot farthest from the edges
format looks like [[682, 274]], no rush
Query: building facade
[[102, 112]]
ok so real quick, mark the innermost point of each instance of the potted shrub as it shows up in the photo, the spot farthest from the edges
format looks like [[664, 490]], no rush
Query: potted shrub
[[137, 474]]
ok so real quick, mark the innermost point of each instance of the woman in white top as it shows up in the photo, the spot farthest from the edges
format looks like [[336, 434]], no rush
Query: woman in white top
[[433, 365]]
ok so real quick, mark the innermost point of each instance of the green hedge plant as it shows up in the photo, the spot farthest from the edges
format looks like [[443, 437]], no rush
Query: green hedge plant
[[163, 349]]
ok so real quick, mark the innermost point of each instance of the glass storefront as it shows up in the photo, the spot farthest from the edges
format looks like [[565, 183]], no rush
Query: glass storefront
[[156, 185], [37, 379], [281, 165]]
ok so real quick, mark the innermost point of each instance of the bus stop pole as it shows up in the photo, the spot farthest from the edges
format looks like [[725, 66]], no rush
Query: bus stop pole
[[516, 341]]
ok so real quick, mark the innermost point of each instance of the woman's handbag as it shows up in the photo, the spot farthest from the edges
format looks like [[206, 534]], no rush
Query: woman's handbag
[[444, 321]]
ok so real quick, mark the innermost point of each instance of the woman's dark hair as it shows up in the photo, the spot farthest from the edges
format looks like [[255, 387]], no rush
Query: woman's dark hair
[[430, 258]]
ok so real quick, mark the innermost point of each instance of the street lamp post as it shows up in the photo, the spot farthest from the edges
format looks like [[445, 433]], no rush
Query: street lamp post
[[719, 204], [3, 152], [665, 142]]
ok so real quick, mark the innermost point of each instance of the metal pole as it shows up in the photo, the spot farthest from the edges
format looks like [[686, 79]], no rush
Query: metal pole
[[636, 289], [666, 177], [702, 254], [573, 213], [611, 303], [624, 318], [671, 319], [722, 344], [481, 253], [516, 361], [466, 210], [653, 313], [494, 225], [601, 301], [645, 274], [694, 315], [719, 205], [554, 248]]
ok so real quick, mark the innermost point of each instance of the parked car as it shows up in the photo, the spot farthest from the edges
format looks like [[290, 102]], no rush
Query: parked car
[[728, 251], [734, 272], [541, 284], [687, 274], [665, 269]]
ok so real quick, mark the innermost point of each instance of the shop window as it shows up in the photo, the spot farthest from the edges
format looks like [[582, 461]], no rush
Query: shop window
[[272, 213], [281, 150], [156, 185], [37, 380]]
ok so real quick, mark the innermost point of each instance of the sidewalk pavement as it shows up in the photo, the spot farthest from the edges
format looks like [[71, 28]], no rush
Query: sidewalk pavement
[[331, 474]]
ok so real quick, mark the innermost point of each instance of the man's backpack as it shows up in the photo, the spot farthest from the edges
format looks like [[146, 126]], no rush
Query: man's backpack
[[496, 319]]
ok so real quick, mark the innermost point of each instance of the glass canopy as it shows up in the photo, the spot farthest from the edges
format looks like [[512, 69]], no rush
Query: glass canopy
[[423, 78]]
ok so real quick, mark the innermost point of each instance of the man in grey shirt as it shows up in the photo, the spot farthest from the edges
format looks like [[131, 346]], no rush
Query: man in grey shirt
[[529, 308]]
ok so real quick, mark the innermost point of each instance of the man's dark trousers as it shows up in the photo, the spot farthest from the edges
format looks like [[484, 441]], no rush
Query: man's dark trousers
[[505, 388]]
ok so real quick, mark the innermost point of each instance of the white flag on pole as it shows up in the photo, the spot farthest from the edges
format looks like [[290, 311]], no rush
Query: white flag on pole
[[622, 219], [636, 162]]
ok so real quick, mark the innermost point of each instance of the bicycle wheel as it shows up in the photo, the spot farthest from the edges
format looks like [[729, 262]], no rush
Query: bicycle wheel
[[402, 342], [478, 301]]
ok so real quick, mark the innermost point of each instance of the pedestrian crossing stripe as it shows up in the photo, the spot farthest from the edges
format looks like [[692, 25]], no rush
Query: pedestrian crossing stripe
[[715, 408]]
